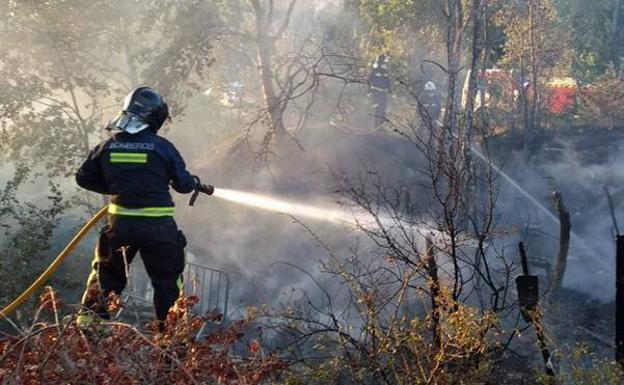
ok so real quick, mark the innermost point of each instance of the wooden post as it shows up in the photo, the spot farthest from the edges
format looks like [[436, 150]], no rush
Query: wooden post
[[524, 260]]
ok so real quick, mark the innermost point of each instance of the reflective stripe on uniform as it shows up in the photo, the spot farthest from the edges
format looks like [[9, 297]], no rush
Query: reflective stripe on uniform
[[378, 89], [141, 212], [84, 320], [180, 280], [128, 157]]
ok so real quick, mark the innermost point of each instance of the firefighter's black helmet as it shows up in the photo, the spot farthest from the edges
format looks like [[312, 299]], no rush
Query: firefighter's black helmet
[[148, 105]]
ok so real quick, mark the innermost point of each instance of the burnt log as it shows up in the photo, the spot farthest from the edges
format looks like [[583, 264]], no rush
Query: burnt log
[[619, 283], [564, 244], [619, 300]]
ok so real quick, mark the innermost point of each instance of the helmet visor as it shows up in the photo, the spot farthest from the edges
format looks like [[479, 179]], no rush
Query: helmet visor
[[127, 122]]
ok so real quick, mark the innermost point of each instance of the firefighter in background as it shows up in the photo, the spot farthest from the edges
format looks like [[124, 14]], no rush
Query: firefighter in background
[[135, 167], [430, 100], [379, 87]]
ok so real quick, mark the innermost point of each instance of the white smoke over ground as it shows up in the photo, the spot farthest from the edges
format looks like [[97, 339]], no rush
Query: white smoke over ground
[[591, 262], [248, 242], [244, 239]]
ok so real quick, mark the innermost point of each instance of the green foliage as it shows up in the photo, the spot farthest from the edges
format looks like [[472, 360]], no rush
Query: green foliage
[[595, 51], [385, 22], [535, 38], [28, 229], [80, 60], [602, 103], [61, 79], [177, 61]]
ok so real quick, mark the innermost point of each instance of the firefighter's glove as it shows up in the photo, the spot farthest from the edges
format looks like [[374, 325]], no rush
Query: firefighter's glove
[[206, 189]]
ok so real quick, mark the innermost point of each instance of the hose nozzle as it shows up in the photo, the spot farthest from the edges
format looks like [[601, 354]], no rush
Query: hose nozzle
[[200, 187]]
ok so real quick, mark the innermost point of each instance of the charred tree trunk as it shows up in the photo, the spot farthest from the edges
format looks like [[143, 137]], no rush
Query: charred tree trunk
[[564, 244], [619, 283], [619, 300]]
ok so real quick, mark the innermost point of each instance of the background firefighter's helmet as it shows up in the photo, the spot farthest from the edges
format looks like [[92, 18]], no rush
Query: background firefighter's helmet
[[142, 108], [430, 86], [381, 62]]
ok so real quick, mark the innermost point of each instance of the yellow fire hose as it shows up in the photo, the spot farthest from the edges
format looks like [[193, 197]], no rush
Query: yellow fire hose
[[55, 265]]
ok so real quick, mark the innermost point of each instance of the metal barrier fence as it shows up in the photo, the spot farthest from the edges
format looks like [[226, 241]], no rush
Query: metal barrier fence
[[210, 285]]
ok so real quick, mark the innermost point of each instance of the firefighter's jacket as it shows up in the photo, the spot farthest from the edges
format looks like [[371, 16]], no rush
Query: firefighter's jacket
[[136, 170], [431, 102], [379, 82]]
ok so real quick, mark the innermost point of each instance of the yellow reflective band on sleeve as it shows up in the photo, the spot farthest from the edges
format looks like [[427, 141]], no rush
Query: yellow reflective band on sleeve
[[128, 157], [142, 212]]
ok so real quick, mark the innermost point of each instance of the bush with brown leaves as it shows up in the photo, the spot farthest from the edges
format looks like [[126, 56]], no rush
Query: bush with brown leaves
[[60, 352]]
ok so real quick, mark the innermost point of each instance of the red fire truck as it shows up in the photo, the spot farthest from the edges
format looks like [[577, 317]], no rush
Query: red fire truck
[[502, 90]]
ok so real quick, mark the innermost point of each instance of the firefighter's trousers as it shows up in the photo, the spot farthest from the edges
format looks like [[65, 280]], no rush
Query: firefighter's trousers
[[161, 246], [380, 104]]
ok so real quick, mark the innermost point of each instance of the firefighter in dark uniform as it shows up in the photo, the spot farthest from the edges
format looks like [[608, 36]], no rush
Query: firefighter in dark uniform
[[135, 167], [430, 100], [379, 87]]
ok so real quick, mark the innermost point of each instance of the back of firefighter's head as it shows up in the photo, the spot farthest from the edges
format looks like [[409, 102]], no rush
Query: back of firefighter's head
[[143, 108]]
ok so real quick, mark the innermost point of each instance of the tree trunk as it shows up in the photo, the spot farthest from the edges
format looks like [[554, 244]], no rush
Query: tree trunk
[[265, 45], [535, 102], [273, 105], [477, 54], [454, 48], [434, 294], [616, 44]]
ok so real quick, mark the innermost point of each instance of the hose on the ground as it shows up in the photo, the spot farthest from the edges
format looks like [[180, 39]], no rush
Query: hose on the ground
[[55, 264]]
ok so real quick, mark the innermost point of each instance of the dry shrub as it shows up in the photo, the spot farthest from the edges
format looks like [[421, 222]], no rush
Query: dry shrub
[[117, 353], [461, 356], [582, 366], [402, 350]]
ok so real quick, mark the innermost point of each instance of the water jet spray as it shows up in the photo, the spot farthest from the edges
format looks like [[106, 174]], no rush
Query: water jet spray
[[293, 209], [338, 216], [574, 237]]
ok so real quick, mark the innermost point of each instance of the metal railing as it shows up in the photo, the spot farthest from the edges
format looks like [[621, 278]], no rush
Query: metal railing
[[210, 285]]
